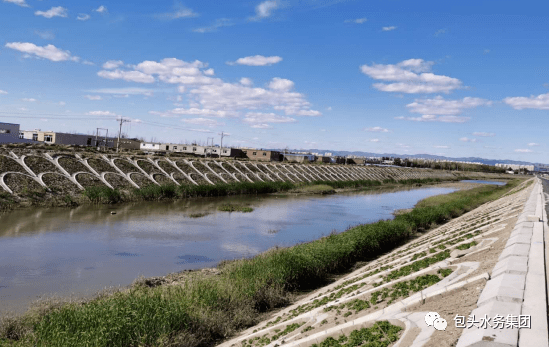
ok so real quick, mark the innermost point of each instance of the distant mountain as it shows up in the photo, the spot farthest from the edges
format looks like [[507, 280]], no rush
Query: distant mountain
[[416, 156]]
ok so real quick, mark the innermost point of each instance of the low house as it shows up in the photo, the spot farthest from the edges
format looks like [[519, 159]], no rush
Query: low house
[[358, 161], [323, 159], [151, 146], [57, 138], [9, 133], [231, 152], [194, 149], [262, 155], [128, 143], [300, 158]]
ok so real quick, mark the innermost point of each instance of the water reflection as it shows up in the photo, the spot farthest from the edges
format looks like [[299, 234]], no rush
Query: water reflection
[[82, 250]]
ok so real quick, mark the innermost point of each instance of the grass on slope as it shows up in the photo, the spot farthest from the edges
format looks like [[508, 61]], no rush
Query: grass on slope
[[204, 310]]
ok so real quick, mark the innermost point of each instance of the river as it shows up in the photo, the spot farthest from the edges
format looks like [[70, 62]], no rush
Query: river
[[79, 251]]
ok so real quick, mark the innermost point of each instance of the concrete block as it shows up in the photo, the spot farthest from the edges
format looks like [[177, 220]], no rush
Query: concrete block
[[507, 288], [531, 218], [534, 303], [516, 249], [511, 265], [485, 276], [523, 238], [491, 337]]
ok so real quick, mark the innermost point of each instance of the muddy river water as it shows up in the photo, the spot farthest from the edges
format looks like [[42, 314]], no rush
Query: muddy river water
[[79, 251]]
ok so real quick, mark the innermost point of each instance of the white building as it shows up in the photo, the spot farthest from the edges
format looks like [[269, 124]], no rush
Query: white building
[[516, 167]]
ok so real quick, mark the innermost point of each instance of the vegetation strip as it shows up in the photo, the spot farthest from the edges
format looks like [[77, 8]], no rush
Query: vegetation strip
[[381, 334], [205, 309], [170, 191]]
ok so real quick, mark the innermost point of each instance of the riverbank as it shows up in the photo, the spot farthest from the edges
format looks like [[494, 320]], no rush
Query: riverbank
[[202, 309], [169, 191]]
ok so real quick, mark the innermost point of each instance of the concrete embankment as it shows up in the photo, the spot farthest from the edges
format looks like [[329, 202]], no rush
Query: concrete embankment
[[484, 268], [69, 173]]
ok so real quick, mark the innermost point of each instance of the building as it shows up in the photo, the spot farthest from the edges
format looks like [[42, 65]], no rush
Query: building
[[262, 154], [194, 149], [300, 158], [324, 159], [128, 143], [9, 133], [356, 160], [152, 147], [57, 138], [516, 167]]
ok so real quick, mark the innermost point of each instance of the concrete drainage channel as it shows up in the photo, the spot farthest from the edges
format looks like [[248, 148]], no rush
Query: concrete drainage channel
[[454, 257]]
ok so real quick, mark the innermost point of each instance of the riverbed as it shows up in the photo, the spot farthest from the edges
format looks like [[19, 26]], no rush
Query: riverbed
[[56, 251]]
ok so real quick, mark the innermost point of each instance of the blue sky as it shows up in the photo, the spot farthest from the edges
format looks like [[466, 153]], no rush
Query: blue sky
[[466, 78]]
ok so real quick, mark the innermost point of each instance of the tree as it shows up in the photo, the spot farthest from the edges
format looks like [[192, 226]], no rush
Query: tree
[[397, 161]]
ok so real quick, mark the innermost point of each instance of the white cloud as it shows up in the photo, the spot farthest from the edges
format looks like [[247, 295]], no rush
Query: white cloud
[[101, 113], [209, 93], [265, 9], [540, 102], [531, 144], [329, 108], [235, 97], [29, 100], [523, 150], [181, 89], [466, 139], [23, 109], [391, 28], [356, 21], [169, 70], [484, 134], [53, 12], [133, 76], [101, 9], [445, 147], [433, 118], [87, 62], [46, 35], [200, 112], [112, 64], [49, 52], [257, 60], [281, 84], [374, 140], [441, 106], [221, 22], [261, 126], [377, 130], [180, 11], [246, 82], [410, 76], [93, 97], [203, 121], [123, 91], [209, 72], [440, 32], [3, 92], [83, 17], [61, 103], [258, 118], [21, 3]]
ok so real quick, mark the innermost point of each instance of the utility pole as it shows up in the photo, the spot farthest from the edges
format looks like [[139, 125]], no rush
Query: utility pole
[[222, 136], [122, 120]]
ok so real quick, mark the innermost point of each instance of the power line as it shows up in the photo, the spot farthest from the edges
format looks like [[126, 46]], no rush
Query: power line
[[26, 115]]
